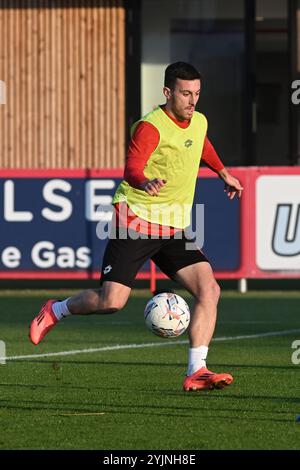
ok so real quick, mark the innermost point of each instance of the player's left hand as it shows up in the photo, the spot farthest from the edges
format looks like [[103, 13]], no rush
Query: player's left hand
[[232, 185]]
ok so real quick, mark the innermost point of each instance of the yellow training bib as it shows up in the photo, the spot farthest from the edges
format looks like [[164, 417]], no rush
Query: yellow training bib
[[176, 159]]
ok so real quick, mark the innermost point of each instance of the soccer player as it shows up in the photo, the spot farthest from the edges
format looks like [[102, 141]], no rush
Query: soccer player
[[160, 173]]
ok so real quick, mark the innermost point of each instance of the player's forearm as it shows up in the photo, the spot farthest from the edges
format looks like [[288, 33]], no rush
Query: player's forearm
[[223, 174], [135, 178], [210, 157]]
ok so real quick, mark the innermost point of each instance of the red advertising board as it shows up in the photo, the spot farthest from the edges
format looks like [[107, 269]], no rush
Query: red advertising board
[[57, 210]]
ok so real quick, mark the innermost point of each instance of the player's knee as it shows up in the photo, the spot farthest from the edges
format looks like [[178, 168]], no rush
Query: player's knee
[[209, 293], [216, 291], [213, 291]]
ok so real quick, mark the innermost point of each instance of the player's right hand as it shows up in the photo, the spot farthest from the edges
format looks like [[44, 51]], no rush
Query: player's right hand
[[152, 187]]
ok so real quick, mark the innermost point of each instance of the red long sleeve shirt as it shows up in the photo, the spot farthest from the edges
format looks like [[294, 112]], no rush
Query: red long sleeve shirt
[[142, 144]]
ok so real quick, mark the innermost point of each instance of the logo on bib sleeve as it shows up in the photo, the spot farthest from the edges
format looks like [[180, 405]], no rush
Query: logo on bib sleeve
[[188, 143]]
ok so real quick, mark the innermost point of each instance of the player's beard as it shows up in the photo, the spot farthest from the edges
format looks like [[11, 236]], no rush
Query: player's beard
[[183, 114]]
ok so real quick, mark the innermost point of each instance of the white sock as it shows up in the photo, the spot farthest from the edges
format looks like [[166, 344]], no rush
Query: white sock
[[197, 359], [60, 309]]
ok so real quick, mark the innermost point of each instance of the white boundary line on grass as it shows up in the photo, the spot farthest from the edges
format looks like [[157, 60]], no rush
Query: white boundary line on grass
[[146, 345]]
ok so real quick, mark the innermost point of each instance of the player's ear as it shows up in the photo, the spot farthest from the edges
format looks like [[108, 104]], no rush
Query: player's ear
[[167, 92]]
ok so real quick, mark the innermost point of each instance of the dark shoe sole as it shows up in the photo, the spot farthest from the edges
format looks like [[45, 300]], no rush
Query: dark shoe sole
[[214, 386]]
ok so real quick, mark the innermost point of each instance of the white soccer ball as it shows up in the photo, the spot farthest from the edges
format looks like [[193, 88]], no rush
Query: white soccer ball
[[167, 315]]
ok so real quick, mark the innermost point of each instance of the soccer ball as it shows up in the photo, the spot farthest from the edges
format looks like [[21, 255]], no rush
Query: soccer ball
[[167, 315]]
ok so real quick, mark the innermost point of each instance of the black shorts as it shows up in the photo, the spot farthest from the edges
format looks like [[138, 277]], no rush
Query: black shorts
[[124, 257]]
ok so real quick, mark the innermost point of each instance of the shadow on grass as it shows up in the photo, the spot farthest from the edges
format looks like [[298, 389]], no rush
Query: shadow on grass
[[152, 364], [206, 394], [61, 409], [64, 410]]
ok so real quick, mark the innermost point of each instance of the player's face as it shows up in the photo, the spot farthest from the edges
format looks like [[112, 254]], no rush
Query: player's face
[[182, 100]]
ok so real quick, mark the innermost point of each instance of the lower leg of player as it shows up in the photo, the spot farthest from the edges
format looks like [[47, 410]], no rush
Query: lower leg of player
[[199, 280], [109, 299], [202, 326]]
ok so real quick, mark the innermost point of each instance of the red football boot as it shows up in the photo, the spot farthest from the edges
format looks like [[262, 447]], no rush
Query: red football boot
[[204, 379], [42, 323]]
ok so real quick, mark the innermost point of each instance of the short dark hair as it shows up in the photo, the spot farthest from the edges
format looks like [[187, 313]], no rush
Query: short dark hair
[[180, 70]]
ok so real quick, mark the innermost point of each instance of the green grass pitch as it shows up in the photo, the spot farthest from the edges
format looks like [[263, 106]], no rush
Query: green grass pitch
[[132, 398]]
